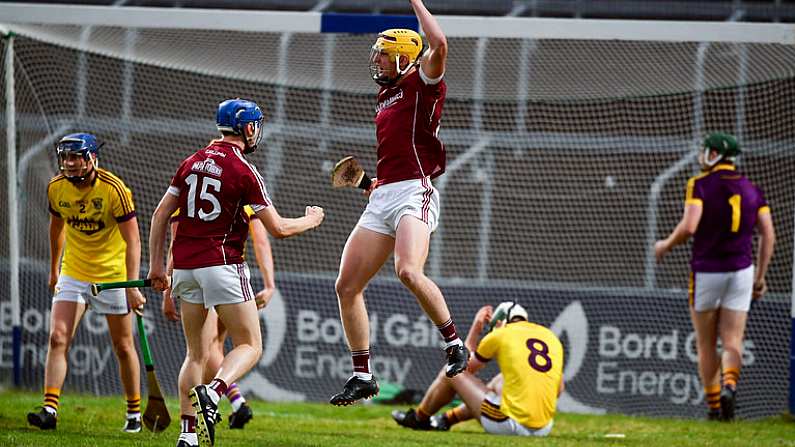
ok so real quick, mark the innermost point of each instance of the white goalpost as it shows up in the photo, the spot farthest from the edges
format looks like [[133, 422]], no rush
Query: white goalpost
[[569, 143]]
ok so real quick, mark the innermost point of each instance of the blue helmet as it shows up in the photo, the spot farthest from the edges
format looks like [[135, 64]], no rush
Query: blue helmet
[[234, 114], [83, 144]]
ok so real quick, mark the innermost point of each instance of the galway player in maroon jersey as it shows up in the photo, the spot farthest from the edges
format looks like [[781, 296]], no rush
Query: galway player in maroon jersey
[[211, 188], [722, 209], [403, 209]]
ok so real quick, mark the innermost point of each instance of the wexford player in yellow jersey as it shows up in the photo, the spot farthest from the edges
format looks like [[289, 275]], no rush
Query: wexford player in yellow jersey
[[93, 225], [520, 400]]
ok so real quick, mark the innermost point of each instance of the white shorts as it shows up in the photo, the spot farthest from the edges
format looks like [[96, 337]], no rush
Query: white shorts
[[389, 203], [729, 290], [108, 302], [504, 425], [211, 286]]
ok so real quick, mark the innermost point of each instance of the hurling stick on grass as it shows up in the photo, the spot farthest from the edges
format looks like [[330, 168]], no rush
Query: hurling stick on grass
[[156, 417], [100, 286]]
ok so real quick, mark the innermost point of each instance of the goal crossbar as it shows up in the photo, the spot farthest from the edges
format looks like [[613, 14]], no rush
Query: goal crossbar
[[454, 26]]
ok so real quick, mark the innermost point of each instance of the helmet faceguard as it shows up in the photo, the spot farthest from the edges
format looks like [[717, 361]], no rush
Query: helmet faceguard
[[233, 117], [724, 144], [255, 138], [82, 145], [507, 311], [394, 43]]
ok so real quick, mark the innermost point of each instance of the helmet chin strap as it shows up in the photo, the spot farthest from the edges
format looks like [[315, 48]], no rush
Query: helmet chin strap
[[252, 142], [386, 81], [248, 148], [76, 180], [403, 72], [711, 163]]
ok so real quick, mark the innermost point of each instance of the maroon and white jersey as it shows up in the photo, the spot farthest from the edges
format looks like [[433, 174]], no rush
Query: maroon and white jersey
[[406, 123], [213, 186]]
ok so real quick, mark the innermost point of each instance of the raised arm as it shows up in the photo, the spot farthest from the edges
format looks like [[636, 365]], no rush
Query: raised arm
[[433, 61], [282, 227], [481, 319], [766, 242]]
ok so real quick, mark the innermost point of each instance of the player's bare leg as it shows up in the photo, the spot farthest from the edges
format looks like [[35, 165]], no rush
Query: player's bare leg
[[196, 341], [412, 241], [364, 254], [706, 326], [66, 315], [241, 412], [472, 391], [438, 394], [215, 350], [120, 328], [64, 318], [731, 328], [242, 321], [462, 412]]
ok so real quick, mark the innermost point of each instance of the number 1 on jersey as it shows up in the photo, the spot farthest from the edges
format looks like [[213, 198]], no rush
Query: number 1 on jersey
[[735, 201], [192, 181]]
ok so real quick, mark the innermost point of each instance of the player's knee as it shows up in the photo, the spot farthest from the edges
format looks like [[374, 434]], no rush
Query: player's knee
[[197, 357], [408, 275], [345, 290], [59, 340], [124, 348]]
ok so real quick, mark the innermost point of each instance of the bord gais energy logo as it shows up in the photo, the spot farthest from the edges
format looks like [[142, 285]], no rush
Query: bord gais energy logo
[[629, 363]]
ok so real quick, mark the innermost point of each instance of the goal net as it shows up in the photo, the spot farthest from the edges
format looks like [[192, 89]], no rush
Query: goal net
[[568, 154]]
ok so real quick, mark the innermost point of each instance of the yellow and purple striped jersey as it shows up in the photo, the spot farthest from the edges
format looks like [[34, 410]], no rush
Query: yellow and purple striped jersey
[[94, 249], [530, 357]]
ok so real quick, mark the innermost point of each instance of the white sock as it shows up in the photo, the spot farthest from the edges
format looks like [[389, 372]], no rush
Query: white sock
[[363, 376], [455, 342], [136, 416], [51, 410], [237, 404], [189, 437], [213, 395]]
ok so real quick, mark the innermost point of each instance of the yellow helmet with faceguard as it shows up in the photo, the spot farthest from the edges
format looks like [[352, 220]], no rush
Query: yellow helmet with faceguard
[[394, 43]]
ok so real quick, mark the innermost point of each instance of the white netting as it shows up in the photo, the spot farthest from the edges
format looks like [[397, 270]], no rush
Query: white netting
[[555, 149]]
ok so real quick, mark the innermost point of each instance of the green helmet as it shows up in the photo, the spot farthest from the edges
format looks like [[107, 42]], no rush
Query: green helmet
[[724, 144]]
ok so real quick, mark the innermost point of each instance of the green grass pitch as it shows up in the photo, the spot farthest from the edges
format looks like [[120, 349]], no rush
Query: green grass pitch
[[97, 421]]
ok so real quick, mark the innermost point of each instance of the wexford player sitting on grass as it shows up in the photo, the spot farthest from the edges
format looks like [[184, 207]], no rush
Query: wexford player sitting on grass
[[520, 400]]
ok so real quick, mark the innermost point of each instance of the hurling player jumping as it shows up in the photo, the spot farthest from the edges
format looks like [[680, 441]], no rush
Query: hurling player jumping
[[403, 209]]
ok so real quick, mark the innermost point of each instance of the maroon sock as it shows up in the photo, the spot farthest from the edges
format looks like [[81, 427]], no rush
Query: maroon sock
[[188, 423], [219, 386], [448, 331], [361, 361]]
